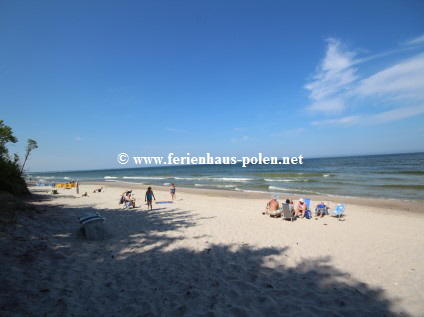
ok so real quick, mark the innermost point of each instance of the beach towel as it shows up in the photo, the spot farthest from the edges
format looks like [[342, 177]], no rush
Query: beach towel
[[164, 202]]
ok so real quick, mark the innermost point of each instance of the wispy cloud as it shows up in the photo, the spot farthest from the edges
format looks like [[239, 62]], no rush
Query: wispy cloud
[[176, 130], [78, 138], [245, 138], [286, 133], [372, 119], [404, 80], [334, 75], [345, 121], [415, 40], [337, 86]]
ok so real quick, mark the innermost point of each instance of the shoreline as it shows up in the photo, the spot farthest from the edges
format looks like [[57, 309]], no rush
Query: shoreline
[[382, 203]]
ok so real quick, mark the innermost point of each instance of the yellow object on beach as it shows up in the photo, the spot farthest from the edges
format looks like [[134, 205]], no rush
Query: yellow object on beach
[[67, 186]]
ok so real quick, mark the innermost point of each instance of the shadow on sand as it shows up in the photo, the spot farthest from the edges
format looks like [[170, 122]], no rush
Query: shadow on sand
[[48, 269]]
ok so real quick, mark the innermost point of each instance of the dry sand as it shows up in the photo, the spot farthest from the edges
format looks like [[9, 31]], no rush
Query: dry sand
[[211, 253]]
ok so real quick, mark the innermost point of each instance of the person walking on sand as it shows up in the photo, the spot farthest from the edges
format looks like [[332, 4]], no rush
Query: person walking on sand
[[172, 191], [148, 197]]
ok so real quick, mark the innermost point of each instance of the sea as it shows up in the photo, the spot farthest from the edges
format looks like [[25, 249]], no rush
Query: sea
[[393, 176]]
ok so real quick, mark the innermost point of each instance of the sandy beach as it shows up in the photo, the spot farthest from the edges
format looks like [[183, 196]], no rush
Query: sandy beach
[[211, 253]]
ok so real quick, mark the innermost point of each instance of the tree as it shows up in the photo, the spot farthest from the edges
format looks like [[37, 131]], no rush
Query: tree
[[6, 135], [31, 145]]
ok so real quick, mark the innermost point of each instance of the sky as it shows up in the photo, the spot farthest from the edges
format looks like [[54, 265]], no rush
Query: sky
[[91, 79]]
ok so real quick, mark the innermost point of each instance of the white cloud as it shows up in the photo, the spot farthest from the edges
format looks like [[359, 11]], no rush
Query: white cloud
[[415, 41], [404, 80], [78, 138], [338, 86], [334, 76], [340, 121], [397, 114], [371, 119], [335, 105]]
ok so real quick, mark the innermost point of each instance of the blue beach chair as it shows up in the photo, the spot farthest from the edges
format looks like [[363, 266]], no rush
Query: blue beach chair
[[338, 211], [308, 207], [321, 209]]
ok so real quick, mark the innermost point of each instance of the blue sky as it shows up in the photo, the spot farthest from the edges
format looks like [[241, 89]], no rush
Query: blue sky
[[91, 79]]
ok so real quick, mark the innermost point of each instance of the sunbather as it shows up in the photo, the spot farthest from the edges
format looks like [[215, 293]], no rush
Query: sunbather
[[291, 204], [129, 201], [321, 209], [301, 208], [272, 208]]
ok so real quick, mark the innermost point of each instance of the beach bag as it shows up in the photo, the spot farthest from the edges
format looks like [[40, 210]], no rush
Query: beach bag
[[308, 214]]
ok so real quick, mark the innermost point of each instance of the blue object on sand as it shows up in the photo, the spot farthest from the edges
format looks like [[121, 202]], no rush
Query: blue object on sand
[[164, 202]]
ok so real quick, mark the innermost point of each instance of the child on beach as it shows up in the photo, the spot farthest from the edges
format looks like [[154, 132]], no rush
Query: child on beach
[[172, 191], [148, 197]]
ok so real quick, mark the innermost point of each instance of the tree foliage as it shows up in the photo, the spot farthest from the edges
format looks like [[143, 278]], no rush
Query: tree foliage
[[31, 145], [11, 179]]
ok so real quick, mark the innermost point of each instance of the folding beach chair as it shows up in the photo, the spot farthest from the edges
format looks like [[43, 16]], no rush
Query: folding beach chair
[[338, 211], [287, 213], [321, 209]]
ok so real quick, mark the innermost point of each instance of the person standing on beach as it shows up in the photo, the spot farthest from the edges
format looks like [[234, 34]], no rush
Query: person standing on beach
[[149, 196], [172, 191], [77, 187]]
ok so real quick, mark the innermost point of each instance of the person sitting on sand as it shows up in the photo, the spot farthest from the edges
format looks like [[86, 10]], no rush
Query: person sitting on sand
[[272, 208], [129, 201], [172, 191], [98, 190], [301, 208], [322, 206], [148, 197], [291, 205]]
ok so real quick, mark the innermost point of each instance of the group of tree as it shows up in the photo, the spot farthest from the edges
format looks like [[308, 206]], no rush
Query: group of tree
[[11, 169]]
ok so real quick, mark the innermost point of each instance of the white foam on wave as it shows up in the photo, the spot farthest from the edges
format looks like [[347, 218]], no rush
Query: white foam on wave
[[167, 184], [253, 191], [232, 179], [143, 177], [212, 185], [280, 188], [192, 178], [110, 177]]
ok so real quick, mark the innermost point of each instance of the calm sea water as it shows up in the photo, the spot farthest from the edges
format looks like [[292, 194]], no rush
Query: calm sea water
[[399, 176]]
